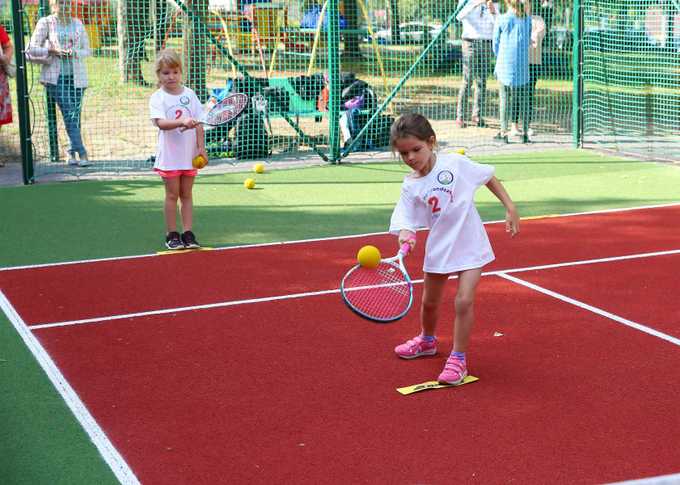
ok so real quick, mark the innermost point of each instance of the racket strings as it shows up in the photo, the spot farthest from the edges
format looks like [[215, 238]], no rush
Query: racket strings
[[220, 114], [382, 293], [227, 109]]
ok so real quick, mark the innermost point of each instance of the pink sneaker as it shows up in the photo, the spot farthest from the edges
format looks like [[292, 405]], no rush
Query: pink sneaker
[[416, 348], [454, 371]]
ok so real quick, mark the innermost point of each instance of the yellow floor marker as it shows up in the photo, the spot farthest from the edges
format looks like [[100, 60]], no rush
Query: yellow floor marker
[[546, 216], [181, 251], [424, 386]]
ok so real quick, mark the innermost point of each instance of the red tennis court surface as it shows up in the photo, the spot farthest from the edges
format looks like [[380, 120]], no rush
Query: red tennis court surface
[[273, 380]]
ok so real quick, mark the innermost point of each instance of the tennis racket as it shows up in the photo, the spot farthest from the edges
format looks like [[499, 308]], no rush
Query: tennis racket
[[225, 111], [381, 294]]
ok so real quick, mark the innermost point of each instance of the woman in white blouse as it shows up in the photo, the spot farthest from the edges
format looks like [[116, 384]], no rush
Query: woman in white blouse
[[59, 42]]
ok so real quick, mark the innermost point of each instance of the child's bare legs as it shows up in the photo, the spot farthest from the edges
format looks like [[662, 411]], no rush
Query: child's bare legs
[[455, 369], [178, 188], [465, 315], [465, 298], [186, 186], [425, 343], [170, 206], [433, 290]]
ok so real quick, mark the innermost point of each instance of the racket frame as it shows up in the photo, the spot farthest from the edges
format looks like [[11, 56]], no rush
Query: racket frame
[[241, 106], [397, 262]]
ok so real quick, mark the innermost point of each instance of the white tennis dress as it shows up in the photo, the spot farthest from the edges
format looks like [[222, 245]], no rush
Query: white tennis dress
[[175, 148], [443, 201]]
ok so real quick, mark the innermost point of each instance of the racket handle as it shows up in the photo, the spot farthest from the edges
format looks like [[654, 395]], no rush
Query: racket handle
[[405, 248]]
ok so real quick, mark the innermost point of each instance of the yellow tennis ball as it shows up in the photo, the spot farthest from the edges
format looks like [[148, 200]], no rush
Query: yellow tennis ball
[[258, 168], [369, 257], [249, 183], [461, 151], [199, 162]]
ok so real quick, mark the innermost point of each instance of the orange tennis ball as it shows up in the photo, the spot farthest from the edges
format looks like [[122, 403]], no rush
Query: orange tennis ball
[[199, 162], [249, 183], [369, 257]]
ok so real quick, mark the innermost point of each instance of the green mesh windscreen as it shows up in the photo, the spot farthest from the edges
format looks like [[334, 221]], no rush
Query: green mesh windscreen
[[631, 76], [277, 53]]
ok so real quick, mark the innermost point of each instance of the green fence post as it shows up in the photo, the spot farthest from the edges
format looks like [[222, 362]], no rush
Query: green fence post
[[22, 95], [577, 95], [333, 26]]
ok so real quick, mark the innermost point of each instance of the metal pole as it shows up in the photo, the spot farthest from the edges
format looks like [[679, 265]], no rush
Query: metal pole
[[22, 96], [333, 26], [577, 95]]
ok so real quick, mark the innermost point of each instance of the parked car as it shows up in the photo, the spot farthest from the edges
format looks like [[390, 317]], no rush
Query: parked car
[[410, 32]]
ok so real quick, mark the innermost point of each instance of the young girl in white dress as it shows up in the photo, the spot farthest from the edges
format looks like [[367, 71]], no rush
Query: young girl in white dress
[[175, 110], [439, 195]]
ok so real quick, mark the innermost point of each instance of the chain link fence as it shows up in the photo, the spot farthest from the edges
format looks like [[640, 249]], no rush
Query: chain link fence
[[396, 56]]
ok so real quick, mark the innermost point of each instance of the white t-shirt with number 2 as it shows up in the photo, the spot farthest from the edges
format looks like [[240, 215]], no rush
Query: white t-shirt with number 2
[[175, 148], [443, 201]]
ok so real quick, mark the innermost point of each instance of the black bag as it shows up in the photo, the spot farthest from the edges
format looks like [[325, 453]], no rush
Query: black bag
[[251, 139], [308, 87], [278, 100], [247, 85], [378, 133], [359, 93], [347, 78]]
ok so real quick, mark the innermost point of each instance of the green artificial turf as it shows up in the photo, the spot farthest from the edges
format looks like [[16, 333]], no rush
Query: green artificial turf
[[93, 219], [40, 441]]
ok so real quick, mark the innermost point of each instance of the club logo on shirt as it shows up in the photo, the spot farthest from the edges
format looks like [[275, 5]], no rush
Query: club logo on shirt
[[445, 177], [184, 100]]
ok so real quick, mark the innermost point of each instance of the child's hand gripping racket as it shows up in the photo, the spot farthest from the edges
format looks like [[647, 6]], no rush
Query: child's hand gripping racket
[[225, 111], [383, 293]]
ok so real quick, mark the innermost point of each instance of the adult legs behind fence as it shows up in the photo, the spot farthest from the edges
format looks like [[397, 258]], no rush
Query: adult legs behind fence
[[534, 73], [465, 86], [504, 110], [69, 99], [522, 92], [518, 106], [476, 66], [481, 70]]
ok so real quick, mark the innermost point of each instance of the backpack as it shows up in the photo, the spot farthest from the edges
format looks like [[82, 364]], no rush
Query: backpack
[[359, 95], [251, 139], [376, 136], [247, 85], [278, 100]]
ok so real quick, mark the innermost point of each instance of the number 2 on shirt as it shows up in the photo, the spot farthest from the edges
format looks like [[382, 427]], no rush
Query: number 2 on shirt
[[434, 202]]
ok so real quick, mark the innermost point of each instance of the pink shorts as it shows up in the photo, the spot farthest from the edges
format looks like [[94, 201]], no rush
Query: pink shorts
[[168, 174]]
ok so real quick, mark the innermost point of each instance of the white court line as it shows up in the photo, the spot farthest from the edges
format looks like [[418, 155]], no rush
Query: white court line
[[598, 311], [327, 292], [181, 309], [660, 480], [585, 261], [330, 238], [115, 461]]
